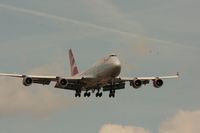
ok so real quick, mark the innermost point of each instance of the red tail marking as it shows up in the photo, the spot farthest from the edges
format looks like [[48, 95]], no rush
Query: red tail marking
[[73, 66]]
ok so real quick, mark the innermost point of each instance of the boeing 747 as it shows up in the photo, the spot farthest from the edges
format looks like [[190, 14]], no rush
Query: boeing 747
[[102, 76]]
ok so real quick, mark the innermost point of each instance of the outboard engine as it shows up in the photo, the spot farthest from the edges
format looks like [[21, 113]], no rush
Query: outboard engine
[[27, 81], [157, 83]]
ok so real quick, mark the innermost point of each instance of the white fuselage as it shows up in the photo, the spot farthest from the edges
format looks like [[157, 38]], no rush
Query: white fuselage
[[103, 71]]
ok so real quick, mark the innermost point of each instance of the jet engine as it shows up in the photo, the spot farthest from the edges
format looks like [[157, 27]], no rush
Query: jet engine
[[27, 81], [157, 83], [136, 83], [62, 82]]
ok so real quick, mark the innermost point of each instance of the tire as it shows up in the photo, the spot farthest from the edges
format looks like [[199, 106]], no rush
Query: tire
[[100, 94], [88, 94]]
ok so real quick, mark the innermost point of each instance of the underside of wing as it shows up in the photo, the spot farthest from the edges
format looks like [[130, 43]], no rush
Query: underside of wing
[[137, 82], [29, 79], [71, 83], [149, 78]]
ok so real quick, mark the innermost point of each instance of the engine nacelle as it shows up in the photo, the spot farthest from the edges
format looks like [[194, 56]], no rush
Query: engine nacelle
[[27, 81], [62, 82], [136, 83], [157, 83]]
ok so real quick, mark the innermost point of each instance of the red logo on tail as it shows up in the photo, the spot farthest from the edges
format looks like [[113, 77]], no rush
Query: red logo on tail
[[74, 68]]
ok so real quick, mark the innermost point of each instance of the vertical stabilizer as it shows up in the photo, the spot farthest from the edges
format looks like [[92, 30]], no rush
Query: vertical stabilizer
[[73, 66]]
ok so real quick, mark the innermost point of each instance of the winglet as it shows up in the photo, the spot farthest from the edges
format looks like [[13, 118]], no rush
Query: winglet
[[178, 74], [73, 66]]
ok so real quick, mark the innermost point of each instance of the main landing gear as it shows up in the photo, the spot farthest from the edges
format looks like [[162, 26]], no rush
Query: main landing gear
[[78, 93], [87, 94], [99, 94], [112, 93]]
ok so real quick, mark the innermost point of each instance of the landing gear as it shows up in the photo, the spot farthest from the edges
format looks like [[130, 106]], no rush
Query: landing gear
[[112, 93], [78, 93], [87, 94], [99, 94], [93, 90], [112, 90]]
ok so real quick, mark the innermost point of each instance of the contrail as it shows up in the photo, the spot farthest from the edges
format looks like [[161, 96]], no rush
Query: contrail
[[63, 19], [91, 25]]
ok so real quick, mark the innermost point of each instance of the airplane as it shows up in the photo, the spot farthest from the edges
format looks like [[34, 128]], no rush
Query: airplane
[[102, 76]]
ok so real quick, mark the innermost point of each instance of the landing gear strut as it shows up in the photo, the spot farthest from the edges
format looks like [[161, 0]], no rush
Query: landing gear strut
[[112, 93], [112, 90], [78, 93]]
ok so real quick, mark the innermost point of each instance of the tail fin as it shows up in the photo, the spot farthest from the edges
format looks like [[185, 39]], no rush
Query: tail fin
[[73, 66]]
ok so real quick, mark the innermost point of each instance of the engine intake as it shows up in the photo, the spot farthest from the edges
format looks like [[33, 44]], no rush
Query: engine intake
[[136, 83], [62, 82], [27, 81], [158, 83]]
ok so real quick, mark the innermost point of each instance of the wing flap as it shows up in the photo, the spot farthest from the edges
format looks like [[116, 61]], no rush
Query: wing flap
[[42, 81]]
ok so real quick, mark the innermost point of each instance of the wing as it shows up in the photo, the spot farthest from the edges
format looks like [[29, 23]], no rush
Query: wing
[[45, 80], [149, 78], [137, 82], [70, 83]]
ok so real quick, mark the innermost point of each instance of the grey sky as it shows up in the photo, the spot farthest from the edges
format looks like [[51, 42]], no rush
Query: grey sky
[[151, 37]]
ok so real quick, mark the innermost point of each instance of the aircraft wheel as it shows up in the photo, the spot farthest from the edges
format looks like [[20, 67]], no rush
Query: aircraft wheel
[[88, 94], [100, 94], [77, 95], [113, 95]]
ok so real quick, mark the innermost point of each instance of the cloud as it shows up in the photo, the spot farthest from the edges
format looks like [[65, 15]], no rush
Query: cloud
[[112, 128], [182, 122], [36, 100]]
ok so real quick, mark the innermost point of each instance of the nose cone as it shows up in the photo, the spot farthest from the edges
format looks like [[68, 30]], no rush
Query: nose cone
[[116, 66], [117, 63]]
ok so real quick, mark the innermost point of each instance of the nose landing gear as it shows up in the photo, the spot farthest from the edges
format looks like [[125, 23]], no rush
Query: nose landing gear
[[112, 93]]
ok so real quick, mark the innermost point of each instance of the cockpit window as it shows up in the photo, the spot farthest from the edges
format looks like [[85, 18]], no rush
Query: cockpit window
[[111, 55]]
